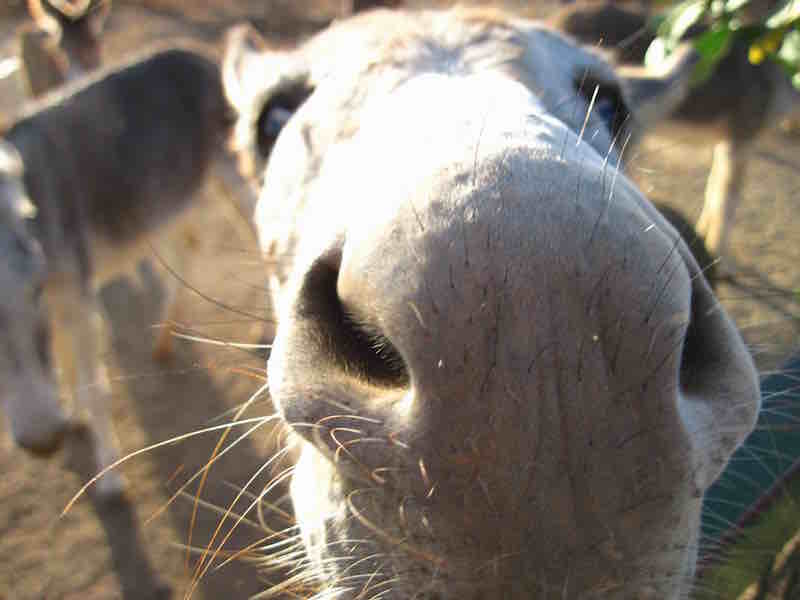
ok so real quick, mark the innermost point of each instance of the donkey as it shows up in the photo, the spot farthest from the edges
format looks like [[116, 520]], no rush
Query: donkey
[[507, 375], [54, 60], [736, 104], [87, 178]]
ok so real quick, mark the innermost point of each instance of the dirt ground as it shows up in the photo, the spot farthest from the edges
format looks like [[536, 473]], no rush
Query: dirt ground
[[102, 552]]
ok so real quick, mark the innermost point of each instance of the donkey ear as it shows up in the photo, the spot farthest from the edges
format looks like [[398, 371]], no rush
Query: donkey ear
[[654, 95], [243, 51]]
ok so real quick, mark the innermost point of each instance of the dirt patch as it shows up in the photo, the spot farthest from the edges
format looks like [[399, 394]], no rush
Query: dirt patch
[[100, 552]]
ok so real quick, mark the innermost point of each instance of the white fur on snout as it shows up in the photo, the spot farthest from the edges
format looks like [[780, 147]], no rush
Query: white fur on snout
[[312, 501]]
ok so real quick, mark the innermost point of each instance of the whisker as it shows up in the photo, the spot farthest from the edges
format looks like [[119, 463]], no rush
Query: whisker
[[217, 342], [202, 470], [217, 509], [150, 448], [214, 452], [588, 114], [203, 568]]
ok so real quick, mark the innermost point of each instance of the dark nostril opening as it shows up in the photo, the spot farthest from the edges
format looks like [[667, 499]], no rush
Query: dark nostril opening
[[345, 337], [692, 355], [704, 353], [720, 396]]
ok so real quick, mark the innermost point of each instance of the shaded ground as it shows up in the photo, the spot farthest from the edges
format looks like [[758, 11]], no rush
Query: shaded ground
[[106, 552]]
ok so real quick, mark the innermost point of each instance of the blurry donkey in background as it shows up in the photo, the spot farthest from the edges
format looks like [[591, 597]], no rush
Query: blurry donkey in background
[[86, 180], [66, 45], [507, 375], [63, 43]]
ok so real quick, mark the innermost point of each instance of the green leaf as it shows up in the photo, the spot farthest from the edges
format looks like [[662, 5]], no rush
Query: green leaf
[[712, 47], [775, 37]]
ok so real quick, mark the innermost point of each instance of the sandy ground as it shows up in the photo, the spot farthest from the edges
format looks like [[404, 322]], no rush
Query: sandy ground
[[100, 552]]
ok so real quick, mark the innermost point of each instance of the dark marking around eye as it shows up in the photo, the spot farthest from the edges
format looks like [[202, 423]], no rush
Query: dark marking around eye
[[608, 102], [274, 120], [277, 112], [606, 109]]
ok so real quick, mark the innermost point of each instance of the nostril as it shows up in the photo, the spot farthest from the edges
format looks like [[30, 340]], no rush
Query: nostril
[[720, 397], [703, 350], [343, 333], [693, 353]]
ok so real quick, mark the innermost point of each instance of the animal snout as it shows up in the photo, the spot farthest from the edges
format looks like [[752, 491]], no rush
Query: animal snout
[[550, 381]]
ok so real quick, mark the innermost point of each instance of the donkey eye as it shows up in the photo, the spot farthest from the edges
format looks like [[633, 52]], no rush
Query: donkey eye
[[607, 104], [277, 112], [273, 120], [606, 108]]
